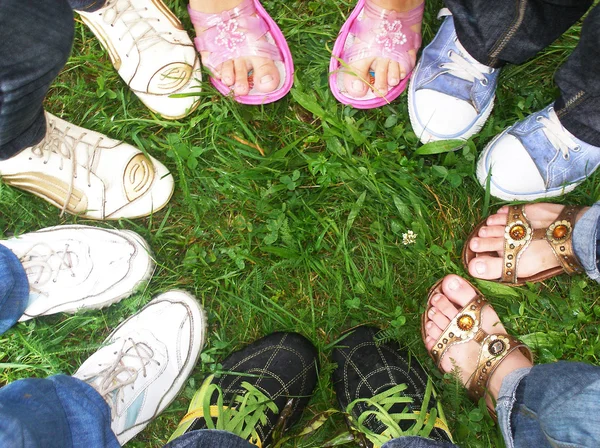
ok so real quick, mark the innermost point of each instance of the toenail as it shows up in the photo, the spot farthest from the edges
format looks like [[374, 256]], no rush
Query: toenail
[[483, 232], [432, 312], [394, 81], [480, 267], [435, 298], [428, 325], [266, 79], [474, 243], [383, 91], [357, 85], [453, 285]]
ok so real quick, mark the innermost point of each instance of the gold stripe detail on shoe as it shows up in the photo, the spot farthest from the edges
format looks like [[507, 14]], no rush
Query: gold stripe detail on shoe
[[51, 189], [168, 14], [105, 41]]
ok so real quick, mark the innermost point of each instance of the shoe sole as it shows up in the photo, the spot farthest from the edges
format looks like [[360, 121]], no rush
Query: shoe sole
[[186, 370], [100, 305], [482, 174], [427, 137]]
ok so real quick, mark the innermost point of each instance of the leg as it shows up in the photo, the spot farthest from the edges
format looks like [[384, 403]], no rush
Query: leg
[[578, 105], [512, 31], [452, 91], [551, 404], [209, 438], [35, 42], [417, 442], [14, 289], [58, 412]]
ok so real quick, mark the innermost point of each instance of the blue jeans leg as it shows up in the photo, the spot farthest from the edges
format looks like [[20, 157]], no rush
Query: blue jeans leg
[[35, 42], [586, 241], [551, 405], [417, 442], [207, 438], [14, 289], [57, 412]]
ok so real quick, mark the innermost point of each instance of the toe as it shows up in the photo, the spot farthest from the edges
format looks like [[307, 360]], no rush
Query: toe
[[381, 76], [431, 340], [356, 78], [487, 268], [499, 219], [486, 244], [266, 75], [491, 232], [394, 74], [444, 306], [227, 73], [241, 86], [438, 318], [458, 290]]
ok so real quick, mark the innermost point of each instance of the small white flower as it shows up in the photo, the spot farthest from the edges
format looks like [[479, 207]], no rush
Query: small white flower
[[409, 238]]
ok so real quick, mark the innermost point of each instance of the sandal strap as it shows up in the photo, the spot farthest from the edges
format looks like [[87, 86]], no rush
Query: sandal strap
[[233, 34], [494, 349], [384, 33], [464, 327], [559, 236], [518, 234]]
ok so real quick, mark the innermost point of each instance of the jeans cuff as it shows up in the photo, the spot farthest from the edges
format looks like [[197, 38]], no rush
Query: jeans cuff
[[585, 241], [87, 5], [14, 289], [506, 401]]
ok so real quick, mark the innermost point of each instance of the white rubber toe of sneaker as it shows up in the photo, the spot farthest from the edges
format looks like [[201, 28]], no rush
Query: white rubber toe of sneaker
[[437, 116], [514, 175]]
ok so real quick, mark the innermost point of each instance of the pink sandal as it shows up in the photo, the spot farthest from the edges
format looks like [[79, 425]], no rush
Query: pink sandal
[[237, 33], [382, 33]]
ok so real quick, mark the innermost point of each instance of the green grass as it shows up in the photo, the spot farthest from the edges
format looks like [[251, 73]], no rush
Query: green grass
[[307, 238]]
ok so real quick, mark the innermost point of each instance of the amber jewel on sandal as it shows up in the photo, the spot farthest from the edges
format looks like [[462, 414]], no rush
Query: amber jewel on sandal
[[465, 322]]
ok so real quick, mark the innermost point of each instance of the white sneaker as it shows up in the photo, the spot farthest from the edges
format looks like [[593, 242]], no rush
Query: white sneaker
[[76, 267], [151, 51], [88, 174], [146, 361]]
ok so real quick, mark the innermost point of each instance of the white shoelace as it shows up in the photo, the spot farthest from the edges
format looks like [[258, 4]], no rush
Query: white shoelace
[[465, 67], [143, 36], [64, 145], [36, 265], [558, 136], [112, 377]]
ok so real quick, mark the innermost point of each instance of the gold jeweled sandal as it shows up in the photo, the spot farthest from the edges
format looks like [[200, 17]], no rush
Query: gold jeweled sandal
[[467, 326], [519, 233]]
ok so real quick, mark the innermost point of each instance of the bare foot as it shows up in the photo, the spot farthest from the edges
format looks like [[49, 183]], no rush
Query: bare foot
[[235, 73], [387, 72], [455, 294], [538, 257]]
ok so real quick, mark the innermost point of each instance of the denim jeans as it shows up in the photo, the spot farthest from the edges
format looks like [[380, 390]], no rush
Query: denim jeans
[[550, 405], [58, 412], [511, 31], [586, 241], [35, 43], [14, 289]]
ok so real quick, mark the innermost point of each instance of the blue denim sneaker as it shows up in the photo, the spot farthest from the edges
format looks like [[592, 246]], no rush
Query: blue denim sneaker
[[536, 158], [451, 95]]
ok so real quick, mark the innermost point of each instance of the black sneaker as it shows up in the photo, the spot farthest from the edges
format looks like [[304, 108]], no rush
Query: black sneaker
[[263, 389], [384, 391]]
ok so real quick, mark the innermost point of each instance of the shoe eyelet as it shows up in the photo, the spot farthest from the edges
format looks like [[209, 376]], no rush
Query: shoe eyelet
[[566, 156], [551, 108], [450, 53], [538, 118], [45, 162], [484, 82], [492, 70], [440, 65], [577, 148]]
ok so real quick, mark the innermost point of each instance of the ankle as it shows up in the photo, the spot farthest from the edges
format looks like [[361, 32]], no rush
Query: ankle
[[213, 6], [397, 5], [516, 360]]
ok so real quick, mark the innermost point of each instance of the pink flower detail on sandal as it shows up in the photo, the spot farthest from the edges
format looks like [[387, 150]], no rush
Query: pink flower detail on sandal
[[372, 31], [229, 36]]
